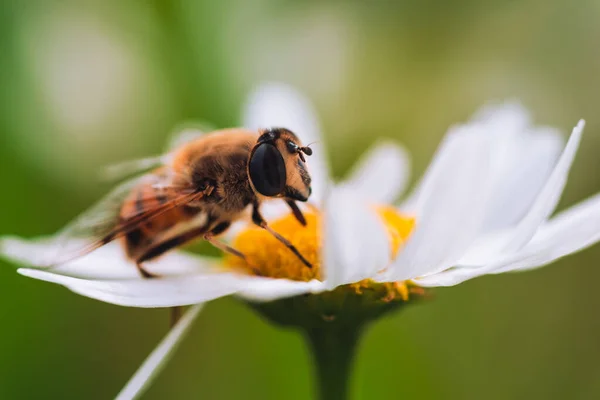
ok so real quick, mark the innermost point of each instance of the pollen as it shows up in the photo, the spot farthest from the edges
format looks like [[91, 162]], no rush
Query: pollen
[[399, 227], [266, 256]]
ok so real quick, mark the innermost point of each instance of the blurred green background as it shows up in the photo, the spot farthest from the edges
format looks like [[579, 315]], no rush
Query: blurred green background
[[84, 84]]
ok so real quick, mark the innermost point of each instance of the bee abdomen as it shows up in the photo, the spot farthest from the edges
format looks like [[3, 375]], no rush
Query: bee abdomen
[[143, 200]]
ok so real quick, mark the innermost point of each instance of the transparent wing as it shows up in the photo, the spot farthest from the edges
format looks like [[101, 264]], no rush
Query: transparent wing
[[122, 170], [185, 134], [102, 223]]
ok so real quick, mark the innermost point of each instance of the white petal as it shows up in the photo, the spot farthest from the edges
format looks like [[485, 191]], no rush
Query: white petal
[[522, 194], [486, 248], [183, 279], [525, 161], [107, 262], [450, 205], [266, 289], [165, 291], [382, 173], [499, 123], [273, 209], [509, 116], [522, 161], [280, 105], [570, 231], [524, 164], [448, 278], [356, 245], [170, 291], [158, 358], [237, 227], [550, 194]]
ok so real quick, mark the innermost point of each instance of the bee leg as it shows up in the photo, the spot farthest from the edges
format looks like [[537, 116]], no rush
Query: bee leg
[[223, 247], [210, 238], [296, 211], [162, 247], [258, 219], [159, 249], [144, 272]]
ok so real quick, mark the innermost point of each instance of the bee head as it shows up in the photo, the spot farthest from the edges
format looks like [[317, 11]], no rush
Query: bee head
[[277, 166]]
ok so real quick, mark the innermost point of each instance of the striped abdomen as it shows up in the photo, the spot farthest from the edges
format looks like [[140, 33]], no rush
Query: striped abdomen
[[143, 199]]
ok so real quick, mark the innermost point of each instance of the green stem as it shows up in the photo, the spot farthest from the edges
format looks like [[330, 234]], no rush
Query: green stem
[[333, 349]]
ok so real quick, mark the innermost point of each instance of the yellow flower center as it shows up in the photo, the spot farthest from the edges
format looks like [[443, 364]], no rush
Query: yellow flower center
[[268, 257]]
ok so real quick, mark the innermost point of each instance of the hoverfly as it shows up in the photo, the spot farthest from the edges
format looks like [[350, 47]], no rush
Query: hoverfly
[[203, 186]]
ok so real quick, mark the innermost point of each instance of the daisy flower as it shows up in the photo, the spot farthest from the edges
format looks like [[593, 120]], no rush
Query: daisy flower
[[482, 207]]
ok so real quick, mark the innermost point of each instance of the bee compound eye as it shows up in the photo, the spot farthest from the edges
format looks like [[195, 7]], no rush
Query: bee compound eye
[[292, 147], [267, 170]]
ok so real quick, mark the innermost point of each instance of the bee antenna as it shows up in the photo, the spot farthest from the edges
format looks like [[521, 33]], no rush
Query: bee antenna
[[307, 150]]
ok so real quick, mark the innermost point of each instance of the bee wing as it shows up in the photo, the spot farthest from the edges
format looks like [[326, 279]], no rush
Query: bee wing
[[121, 170], [186, 134], [182, 136], [101, 223]]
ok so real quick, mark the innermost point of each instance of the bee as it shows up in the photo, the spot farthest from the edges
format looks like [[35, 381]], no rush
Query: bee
[[205, 186]]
